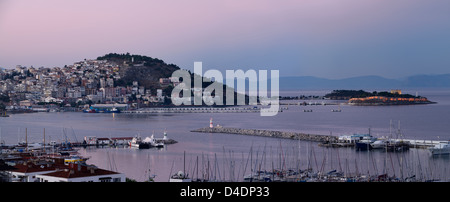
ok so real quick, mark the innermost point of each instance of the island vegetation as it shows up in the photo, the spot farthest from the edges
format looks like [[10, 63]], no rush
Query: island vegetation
[[361, 97]]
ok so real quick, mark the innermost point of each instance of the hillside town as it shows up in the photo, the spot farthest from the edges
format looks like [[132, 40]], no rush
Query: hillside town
[[74, 87]]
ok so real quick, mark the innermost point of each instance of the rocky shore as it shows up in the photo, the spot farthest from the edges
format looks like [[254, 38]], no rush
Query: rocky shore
[[168, 141], [268, 133]]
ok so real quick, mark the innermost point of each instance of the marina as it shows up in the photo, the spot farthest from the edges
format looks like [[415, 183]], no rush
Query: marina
[[358, 140], [270, 164], [121, 141]]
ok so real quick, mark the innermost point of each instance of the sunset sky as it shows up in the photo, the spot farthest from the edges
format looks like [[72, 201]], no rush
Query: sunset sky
[[324, 38]]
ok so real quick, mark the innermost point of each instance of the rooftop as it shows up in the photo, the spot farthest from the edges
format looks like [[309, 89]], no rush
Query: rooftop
[[86, 172]]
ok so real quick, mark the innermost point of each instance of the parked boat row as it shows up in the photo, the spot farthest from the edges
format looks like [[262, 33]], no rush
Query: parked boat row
[[136, 141], [308, 175], [365, 142]]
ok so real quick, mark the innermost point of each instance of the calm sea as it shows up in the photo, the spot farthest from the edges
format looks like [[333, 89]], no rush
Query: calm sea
[[227, 156]]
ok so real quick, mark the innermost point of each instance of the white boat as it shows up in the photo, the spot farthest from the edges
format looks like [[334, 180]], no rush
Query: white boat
[[443, 148], [152, 142], [114, 110], [157, 144], [180, 177], [379, 144], [138, 143]]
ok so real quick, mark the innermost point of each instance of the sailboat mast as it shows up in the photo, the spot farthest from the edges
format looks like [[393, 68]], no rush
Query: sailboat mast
[[197, 168], [44, 140], [390, 129]]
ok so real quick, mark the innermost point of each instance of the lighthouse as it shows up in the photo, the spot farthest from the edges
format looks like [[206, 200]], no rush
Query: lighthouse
[[165, 135], [211, 123]]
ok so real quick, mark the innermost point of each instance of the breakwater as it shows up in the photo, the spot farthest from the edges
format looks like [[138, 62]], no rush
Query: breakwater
[[268, 133], [198, 110]]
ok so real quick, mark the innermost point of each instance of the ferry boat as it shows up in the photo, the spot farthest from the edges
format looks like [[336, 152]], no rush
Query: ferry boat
[[442, 148]]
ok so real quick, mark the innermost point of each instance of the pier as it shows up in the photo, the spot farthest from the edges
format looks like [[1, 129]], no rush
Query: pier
[[422, 144], [199, 110], [268, 133]]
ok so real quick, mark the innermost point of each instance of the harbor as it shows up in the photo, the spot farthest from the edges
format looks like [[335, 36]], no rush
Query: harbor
[[301, 163], [296, 159], [286, 165], [53, 161], [325, 140], [291, 147]]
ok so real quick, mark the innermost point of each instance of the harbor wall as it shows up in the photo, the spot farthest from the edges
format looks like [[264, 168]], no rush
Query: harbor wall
[[268, 133], [199, 110]]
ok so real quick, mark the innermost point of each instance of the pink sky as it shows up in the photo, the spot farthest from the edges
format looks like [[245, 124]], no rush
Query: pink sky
[[300, 37]]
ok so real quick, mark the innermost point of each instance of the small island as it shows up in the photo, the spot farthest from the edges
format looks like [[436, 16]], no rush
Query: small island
[[363, 98]]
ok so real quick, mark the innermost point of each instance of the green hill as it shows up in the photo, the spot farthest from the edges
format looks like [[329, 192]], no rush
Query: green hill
[[145, 70]]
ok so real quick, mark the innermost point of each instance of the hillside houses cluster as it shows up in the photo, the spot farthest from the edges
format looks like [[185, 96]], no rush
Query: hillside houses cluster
[[85, 82]]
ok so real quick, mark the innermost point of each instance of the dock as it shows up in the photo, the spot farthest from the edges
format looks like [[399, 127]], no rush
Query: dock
[[423, 144], [114, 141]]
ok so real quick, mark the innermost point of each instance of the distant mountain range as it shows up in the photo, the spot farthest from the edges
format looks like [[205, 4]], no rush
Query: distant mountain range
[[365, 82]]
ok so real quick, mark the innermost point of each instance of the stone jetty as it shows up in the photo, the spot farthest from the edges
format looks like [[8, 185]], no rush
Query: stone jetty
[[268, 133], [198, 110], [167, 141]]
